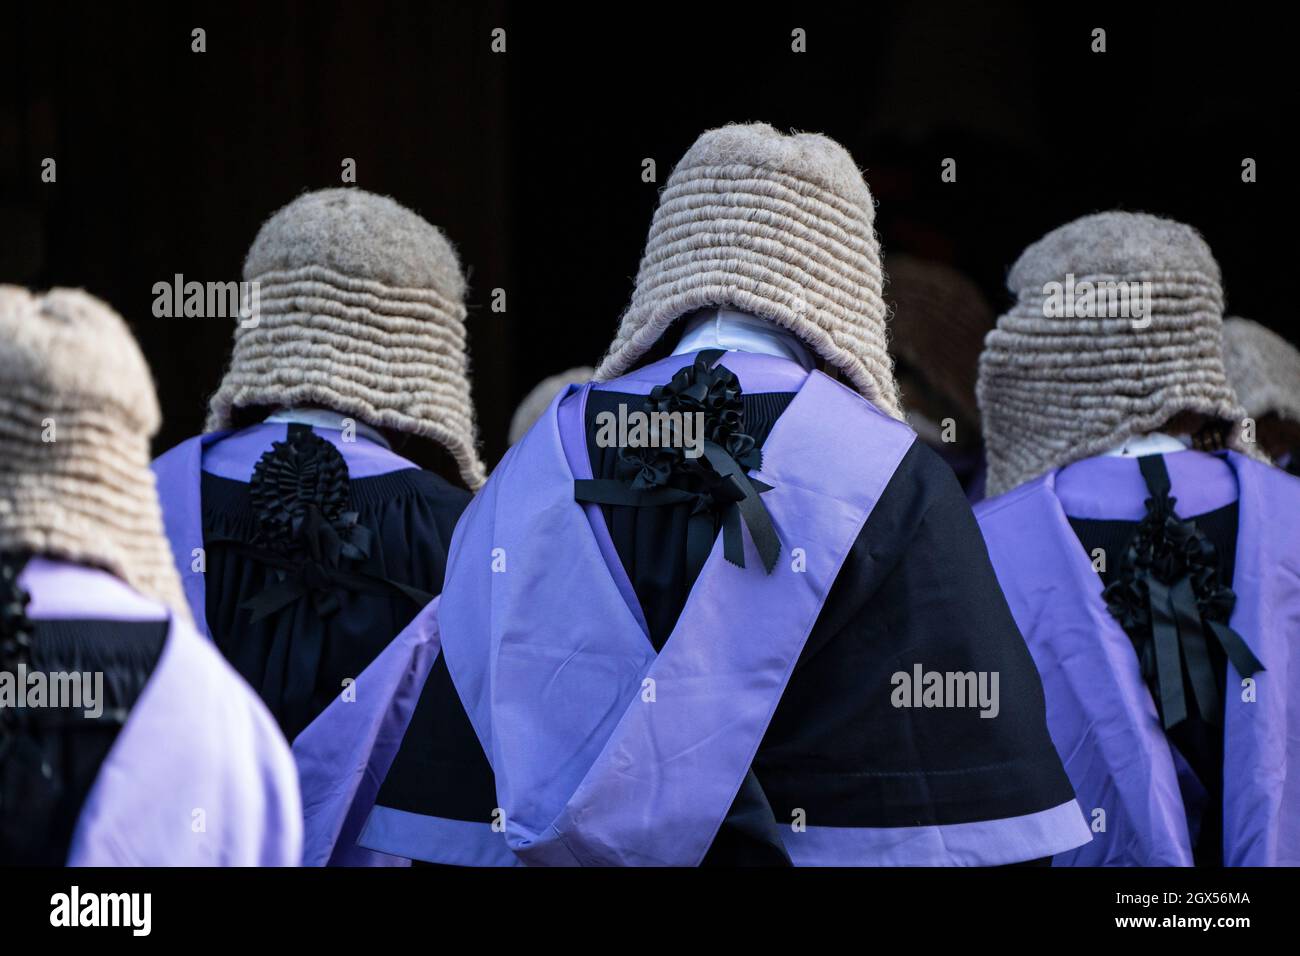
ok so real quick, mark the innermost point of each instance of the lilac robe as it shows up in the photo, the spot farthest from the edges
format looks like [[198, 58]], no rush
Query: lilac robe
[[199, 775], [1100, 713]]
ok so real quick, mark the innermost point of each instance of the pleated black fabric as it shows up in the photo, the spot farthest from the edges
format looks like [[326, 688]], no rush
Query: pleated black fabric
[[411, 514], [41, 801]]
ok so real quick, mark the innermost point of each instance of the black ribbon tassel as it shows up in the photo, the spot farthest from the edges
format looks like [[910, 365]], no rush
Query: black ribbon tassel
[[1169, 598]]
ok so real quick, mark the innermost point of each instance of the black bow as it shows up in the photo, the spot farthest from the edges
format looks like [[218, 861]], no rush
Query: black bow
[[715, 484]]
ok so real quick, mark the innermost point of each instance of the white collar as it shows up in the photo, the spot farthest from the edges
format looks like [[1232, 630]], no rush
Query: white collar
[[323, 418], [1155, 443], [741, 332]]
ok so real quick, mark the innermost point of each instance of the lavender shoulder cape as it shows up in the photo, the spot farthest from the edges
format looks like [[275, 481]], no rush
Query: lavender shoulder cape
[[1100, 713], [199, 774], [603, 752], [348, 723]]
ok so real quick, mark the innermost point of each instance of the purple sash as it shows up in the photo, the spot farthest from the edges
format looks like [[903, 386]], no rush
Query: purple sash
[[177, 474], [604, 753], [199, 775], [344, 754], [1100, 713]]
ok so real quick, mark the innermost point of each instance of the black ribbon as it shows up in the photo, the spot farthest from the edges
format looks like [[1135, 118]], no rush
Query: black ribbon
[[1169, 598], [748, 506], [298, 578], [715, 484], [293, 662]]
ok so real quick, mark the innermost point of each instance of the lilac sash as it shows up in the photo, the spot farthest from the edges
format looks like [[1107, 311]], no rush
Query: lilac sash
[[199, 775], [604, 753], [1100, 713], [177, 474], [344, 754]]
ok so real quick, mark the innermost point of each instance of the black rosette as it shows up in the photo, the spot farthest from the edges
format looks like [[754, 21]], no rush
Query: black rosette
[[300, 498], [714, 482], [302, 506], [1169, 597], [715, 393]]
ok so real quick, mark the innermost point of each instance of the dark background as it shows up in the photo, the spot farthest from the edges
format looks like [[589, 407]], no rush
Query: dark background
[[169, 160]]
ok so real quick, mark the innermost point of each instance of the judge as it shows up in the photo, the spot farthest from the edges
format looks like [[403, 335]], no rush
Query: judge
[[1264, 370], [306, 535], [1150, 560], [650, 657], [125, 739]]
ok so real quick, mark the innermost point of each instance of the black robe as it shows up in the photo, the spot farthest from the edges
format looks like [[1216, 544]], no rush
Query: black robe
[[50, 757], [299, 656]]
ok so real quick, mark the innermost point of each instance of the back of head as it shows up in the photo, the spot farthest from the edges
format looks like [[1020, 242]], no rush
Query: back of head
[[359, 309], [773, 225], [938, 328], [1116, 331], [1264, 369], [543, 393], [76, 415]]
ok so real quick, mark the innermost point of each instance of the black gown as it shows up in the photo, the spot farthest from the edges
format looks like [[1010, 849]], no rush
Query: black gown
[[50, 757], [299, 656]]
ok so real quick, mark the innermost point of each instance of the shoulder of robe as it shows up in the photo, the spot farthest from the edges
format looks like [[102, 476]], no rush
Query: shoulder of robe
[[434, 485], [922, 484], [1004, 506], [1276, 482], [1280, 492], [442, 493], [177, 451]]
